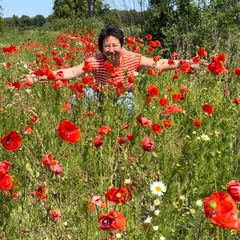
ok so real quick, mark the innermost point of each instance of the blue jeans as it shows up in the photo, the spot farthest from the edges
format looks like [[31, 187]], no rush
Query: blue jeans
[[127, 101], [93, 97]]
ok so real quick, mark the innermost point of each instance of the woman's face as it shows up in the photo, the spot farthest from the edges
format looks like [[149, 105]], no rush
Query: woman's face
[[112, 48]]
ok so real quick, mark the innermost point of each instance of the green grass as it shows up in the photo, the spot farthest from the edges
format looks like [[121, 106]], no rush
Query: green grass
[[190, 168]]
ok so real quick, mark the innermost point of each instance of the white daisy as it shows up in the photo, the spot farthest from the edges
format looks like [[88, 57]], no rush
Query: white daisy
[[157, 212], [156, 202], [148, 219], [158, 188], [205, 137], [155, 228], [199, 202]]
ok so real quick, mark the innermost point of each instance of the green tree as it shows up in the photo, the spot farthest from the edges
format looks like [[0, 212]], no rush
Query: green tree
[[187, 25], [76, 8], [1, 9], [38, 21], [25, 21], [69, 8]]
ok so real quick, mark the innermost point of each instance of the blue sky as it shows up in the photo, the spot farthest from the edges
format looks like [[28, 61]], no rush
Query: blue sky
[[32, 8], [29, 8]]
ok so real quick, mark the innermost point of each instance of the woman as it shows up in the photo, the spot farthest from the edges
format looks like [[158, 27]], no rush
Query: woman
[[114, 65]]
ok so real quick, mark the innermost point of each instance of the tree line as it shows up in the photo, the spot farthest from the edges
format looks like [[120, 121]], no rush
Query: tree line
[[182, 25]]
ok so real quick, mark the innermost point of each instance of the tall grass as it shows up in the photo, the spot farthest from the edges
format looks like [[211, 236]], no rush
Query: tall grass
[[190, 167]]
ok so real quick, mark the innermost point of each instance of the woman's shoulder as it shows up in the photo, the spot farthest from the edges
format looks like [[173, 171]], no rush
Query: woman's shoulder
[[129, 53], [99, 57]]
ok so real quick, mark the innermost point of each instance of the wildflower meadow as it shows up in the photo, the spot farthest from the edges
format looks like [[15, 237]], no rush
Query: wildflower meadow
[[76, 168]]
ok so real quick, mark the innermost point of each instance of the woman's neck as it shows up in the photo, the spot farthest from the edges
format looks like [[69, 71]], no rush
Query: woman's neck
[[117, 61]]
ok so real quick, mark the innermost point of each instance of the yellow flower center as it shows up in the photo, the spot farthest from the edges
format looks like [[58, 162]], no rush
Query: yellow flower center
[[118, 195], [158, 189]]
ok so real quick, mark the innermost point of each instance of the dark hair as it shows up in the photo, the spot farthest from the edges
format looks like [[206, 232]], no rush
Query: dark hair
[[110, 31]]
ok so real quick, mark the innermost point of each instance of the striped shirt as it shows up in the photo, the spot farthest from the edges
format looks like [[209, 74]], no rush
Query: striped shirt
[[130, 63]]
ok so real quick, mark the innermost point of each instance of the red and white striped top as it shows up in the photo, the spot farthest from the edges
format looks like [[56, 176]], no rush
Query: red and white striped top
[[130, 63]]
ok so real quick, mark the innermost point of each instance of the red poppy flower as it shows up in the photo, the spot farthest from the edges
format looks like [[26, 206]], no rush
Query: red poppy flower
[[118, 195], [163, 102], [122, 140], [57, 84], [148, 100], [144, 121], [174, 108], [4, 168], [237, 101], [55, 215], [34, 118], [152, 91], [9, 49], [87, 79], [226, 92], [17, 85], [183, 89], [40, 193], [27, 130], [216, 66], [148, 144], [174, 55], [125, 126], [157, 43], [207, 108], [130, 40], [68, 131], [28, 83], [185, 67], [8, 64], [178, 96], [12, 141], [129, 136], [152, 44], [202, 52], [110, 68], [112, 220], [6, 182], [156, 128], [87, 66], [237, 71], [168, 89], [150, 49], [222, 57], [104, 130], [67, 106], [196, 59], [156, 58], [149, 37], [170, 62], [131, 79], [78, 86], [197, 122], [175, 76], [56, 168], [151, 72], [98, 141], [233, 189], [221, 210], [167, 122], [47, 159]]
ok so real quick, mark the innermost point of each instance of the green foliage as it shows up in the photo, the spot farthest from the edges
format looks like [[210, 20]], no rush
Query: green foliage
[[190, 167], [69, 8], [185, 26], [1, 24], [39, 21], [95, 24]]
